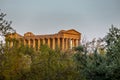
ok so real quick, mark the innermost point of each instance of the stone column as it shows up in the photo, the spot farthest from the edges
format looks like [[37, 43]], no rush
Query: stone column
[[29, 42], [66, 43], [77, 42], [24, 42], [62, 43], [39, 43], [49, 42], [44, 41], [53, 43], [58, 42], [11, 43], [73, 45], [34, 43]]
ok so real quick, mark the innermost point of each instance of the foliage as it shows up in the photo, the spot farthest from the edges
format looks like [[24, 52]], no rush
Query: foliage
[[79, 48], [113, 36], [5, 26], [98, 66], [14, 61], [113, 52], [23, 63], [92, 67], [113, 43], [51, 65]]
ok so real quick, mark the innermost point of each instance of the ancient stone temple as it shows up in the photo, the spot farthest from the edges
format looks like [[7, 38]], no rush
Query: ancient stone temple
[[64, 39]]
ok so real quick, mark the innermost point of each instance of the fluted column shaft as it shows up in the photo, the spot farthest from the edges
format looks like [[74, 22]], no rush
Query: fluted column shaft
[[11, 43], [66, 43], [58, 42], [38, 43], [53, 43], [29, 43], [63, 44], [77, 42], [49, 42], [24, 41], [43, 41], [34, 43], [73, 45]]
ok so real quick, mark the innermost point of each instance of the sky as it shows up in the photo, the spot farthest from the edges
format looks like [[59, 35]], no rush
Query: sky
[[92, 18]]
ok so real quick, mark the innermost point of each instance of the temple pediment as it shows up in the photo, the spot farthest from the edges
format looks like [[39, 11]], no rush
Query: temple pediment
[[17, 35], [14, 35], [72, 31], [28, 34]]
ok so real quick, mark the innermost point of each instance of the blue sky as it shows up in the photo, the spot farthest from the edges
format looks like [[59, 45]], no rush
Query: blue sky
[[92, 18]]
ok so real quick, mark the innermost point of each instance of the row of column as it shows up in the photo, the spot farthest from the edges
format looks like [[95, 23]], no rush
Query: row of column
[[62, 43]]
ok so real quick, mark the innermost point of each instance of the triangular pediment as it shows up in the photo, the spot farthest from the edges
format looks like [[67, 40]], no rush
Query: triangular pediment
[[13, 35], [72, 31], [28, 34], [17, 35]]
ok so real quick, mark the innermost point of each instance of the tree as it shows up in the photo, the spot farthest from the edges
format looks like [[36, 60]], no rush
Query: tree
[[101, 67], [50, 64], [113, 52], [113, 40], [14, 62], [5, 26], [113, 36]]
